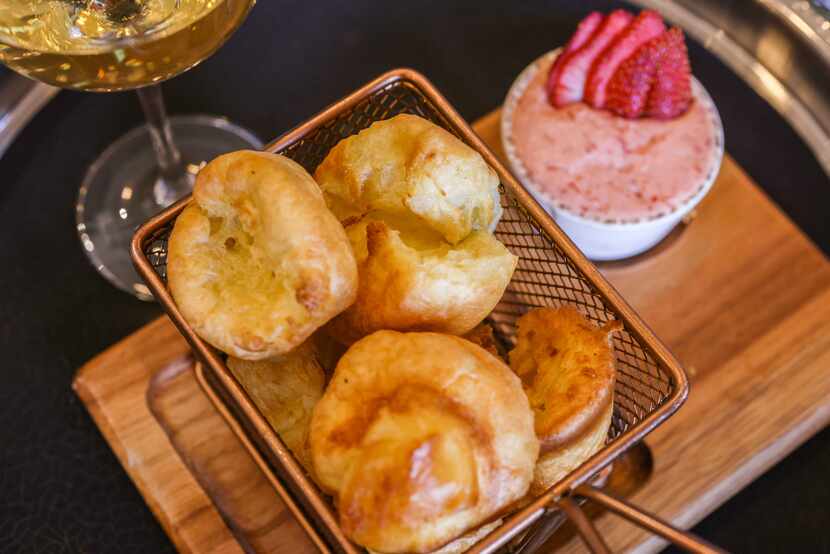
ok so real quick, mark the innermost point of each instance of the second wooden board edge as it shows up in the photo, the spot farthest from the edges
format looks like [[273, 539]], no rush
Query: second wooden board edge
[[113, 387]]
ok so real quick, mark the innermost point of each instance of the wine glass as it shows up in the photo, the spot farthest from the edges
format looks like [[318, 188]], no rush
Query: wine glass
[[112, 45]]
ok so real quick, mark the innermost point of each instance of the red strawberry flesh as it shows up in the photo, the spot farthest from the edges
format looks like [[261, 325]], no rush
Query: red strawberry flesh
[[671, 93], [569, 87], [584, 31], [628, 90], [647, 26]]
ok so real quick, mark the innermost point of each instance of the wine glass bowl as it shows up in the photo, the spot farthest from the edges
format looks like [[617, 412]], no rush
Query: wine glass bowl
[[111, 45]]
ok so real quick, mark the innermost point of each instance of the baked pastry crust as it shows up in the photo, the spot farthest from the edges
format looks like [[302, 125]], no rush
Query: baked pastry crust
[[567, 369], [257, 262], [419, 207], [483, 336], [410, 282], [470, 538], [421, 437], [553, 465], [285, 389], [465, 541], [407, 165]]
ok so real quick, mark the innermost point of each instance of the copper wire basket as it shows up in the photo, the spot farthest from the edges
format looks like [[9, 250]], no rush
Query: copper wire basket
[[551, 271]]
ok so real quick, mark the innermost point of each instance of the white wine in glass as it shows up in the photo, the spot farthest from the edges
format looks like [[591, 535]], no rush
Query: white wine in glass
[[111, 45]]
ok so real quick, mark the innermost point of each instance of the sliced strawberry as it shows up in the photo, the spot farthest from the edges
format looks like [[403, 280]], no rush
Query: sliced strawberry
[[628, 90], [671, 94], [570, 84], [586, 28], [647, 26]]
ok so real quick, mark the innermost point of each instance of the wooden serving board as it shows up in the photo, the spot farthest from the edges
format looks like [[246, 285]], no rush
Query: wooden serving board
[[740, 295], [200, 483]]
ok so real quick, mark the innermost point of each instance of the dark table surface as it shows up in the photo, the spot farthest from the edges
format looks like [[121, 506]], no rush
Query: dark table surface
[[61, 488]]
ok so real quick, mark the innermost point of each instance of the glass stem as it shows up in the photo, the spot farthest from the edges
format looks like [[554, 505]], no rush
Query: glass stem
[[173, 180]]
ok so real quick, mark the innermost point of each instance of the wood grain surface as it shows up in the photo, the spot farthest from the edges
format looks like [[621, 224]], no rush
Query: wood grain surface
[[739, 294], [114, 387]]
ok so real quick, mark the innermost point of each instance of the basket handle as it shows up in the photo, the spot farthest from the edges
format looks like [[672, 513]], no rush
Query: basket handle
[[641, 518]]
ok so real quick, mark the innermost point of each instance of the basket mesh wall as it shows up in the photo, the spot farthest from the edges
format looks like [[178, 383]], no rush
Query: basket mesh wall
[[544, 276]]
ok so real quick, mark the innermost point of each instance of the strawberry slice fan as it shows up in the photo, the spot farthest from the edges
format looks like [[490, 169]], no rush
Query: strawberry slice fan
[[628, 91], [631, 66], [584, 31], [672, 91], [646, 26], [570, 83]]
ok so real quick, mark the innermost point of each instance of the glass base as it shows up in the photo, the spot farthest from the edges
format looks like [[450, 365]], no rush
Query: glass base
[[122, 190]]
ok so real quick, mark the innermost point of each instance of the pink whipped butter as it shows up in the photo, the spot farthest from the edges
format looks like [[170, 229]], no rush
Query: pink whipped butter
[[601, 166]]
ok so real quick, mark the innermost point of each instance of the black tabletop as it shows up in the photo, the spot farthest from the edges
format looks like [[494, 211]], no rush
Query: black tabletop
[[61, 488]]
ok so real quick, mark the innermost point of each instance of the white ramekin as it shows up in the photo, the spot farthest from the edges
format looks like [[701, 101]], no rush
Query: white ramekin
[[606, 240]]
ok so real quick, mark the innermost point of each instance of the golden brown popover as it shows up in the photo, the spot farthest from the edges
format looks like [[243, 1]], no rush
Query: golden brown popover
[[406, 166], [408, 282], [257, 262], [285, 389], [421, 437], [566, 364], [419, 207]]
